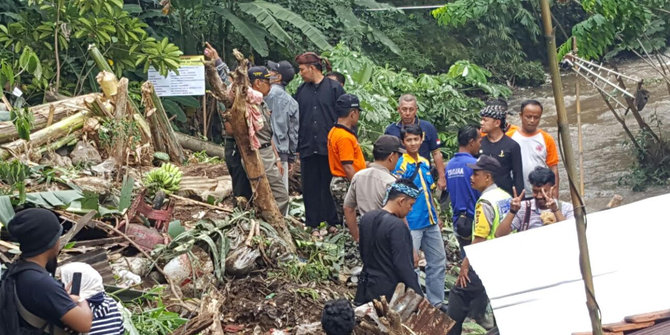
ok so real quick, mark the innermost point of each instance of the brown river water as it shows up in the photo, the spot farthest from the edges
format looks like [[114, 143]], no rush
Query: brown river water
[[606, 157]]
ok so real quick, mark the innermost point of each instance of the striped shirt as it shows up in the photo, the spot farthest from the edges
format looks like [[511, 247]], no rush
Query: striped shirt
[[107, 318]]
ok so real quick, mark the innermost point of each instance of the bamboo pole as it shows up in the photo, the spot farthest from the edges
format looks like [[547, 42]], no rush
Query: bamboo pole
[[39, 138], [578, 106], [566, 143]]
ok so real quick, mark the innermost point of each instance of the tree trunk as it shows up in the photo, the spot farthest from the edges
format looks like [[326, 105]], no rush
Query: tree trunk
[[41, 137], [196, 144], [161, 129], [263, 199], [61, 110]]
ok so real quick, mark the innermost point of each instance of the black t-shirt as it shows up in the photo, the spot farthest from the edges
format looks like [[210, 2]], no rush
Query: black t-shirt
[[43, 296], [316, 103], [386, 251], [508, 153]]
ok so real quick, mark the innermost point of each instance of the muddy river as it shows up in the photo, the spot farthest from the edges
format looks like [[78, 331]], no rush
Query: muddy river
[[607, 158]]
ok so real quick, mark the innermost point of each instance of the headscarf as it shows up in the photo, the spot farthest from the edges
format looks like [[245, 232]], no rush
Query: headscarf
[[402, 188], [91, 280], [311, 58], [495, 111]]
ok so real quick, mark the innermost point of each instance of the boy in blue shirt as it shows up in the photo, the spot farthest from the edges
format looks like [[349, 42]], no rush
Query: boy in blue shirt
[[463, 196], [423, 221]]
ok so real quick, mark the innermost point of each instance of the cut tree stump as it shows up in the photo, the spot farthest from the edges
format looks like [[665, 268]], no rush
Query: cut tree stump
[[163, 135], [263, 199]]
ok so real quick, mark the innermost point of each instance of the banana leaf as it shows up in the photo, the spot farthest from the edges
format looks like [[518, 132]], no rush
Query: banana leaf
[[6, 210]]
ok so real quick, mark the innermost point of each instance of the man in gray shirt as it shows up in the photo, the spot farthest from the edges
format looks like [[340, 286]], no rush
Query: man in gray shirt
[[368, 186], [284, 117]]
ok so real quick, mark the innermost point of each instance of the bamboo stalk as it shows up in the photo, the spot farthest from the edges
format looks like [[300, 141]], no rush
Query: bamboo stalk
[[68, 139], [62, 109], [578, 106], [161, 129], [566, 143], [40, 137]]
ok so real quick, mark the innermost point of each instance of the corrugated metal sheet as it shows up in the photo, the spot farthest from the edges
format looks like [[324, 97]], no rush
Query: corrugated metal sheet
[[662, 328]]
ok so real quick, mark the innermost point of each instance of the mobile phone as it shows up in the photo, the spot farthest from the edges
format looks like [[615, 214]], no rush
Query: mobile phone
[[76, 283]]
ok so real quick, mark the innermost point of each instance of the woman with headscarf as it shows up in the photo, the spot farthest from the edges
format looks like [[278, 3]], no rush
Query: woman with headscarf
[[107, 318]]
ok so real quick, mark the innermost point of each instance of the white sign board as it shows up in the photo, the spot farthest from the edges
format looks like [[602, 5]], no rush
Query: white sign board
[[533, 280], [189, 81]]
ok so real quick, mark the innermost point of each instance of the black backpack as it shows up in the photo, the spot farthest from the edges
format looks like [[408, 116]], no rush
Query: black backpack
[[11, 308]]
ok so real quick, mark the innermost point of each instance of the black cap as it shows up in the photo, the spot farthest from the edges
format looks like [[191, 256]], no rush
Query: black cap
[[487, 163], [346, 102], [36, 229], [258, 72], [388, 144], [284, 68]]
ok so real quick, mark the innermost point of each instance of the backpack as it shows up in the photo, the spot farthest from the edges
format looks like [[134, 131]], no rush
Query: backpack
[[11, 309]]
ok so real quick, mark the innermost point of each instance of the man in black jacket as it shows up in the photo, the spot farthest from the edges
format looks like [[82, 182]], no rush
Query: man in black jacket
[[31, 300], [386, 246]]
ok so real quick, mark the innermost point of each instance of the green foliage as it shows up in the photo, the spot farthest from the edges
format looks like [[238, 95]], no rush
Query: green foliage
[[155, 319], [111, 129], [14, 173], [652, 164], [447, 100], [23, 120], [165, 178], [43, 37]]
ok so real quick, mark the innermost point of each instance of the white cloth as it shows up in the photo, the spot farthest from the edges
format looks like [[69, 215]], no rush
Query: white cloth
[[91, 280]]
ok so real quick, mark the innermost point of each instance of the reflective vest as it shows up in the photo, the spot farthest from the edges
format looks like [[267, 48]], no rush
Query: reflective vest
[[500, 201]]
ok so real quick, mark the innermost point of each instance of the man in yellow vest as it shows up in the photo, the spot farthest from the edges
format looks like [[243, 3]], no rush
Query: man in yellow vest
[[469, 294]]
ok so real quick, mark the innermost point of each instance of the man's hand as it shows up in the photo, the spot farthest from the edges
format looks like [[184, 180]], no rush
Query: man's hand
[[416, 258], [463, 278], [280, 166], [442, 183], [210, 52], [549, 200], [516, 201]]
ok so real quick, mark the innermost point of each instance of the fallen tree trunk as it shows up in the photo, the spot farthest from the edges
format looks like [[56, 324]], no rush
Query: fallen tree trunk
[[41, 137], [61, 110], [161, 130], [196, 144], [263, 199]]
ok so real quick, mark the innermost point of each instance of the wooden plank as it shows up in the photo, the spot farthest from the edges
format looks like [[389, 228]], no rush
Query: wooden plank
[[646, 317], [625, 326], [662, 328], [604, 333]]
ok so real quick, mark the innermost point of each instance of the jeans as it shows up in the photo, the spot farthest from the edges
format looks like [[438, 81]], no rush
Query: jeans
[[429, 240]]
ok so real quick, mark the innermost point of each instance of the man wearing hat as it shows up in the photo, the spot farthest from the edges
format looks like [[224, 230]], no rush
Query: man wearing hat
[[345, 156], [31, 298], [259, 77], [493, 205], [316, 99], [369, 185], [284, 115], [500, 146]]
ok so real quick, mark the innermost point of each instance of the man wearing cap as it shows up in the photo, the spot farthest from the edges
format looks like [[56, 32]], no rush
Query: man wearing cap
[[232, 159], [369, 185], [500, 146], [284, 114], [259, 77], [386, 246], [316, 99], [345, 156], [407, 108], [31, 298], [493, 205]]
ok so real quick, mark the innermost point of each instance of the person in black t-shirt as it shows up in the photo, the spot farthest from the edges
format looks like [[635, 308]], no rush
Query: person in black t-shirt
[[38, 231], [386, 246], [502, 147]]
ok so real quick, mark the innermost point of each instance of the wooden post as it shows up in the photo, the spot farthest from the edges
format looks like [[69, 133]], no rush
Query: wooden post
[[263, 199], [578, 105], [563, 128], [204, 115]]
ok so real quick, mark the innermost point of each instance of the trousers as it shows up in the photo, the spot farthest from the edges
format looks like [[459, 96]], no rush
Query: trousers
[[463, 300], [319, 203], [233, 160], [429, 240], [279, 191], [338, 188]]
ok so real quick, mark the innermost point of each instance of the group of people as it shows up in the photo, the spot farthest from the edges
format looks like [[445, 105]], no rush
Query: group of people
[[389, 205]]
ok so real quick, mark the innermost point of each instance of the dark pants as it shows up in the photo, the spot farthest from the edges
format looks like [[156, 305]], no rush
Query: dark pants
[[463, 300], [319, 203], [241, 185]]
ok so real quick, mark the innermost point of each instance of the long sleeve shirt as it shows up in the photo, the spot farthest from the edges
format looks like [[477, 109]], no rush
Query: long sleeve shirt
[[284, 120], [316, 103], [386, 252], [508, 153]]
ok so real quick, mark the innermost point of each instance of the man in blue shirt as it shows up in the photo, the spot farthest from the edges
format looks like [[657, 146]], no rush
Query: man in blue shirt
[[463, 197], [407, 107], [423, 221]]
